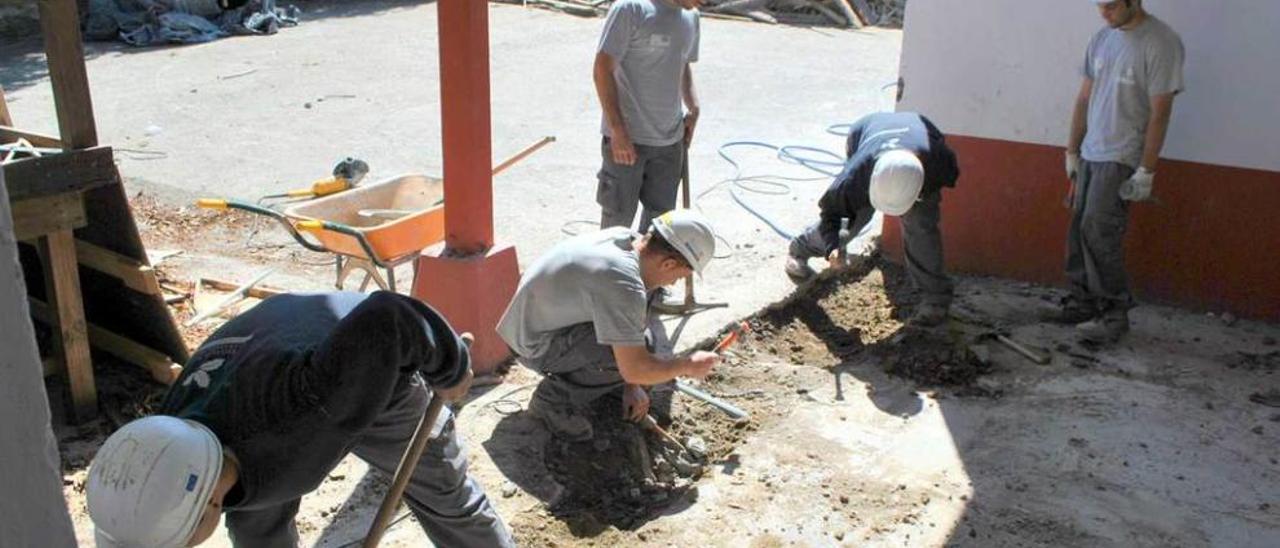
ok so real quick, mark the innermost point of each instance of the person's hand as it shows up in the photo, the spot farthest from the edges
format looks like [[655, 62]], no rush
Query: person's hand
[[690, 122], [459, 390], [700, 364], [635, 402], [624, 152], [1138, 187], [835, 260], [1073, 165]]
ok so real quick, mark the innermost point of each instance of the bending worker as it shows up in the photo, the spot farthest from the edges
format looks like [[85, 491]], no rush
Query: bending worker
[[270, 403], [581, 312], [897, 163]]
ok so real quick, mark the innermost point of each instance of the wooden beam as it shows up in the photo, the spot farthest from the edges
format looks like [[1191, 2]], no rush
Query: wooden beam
[[71, 334], [135, 275], [60, 23], [257, 291], [77, 170], [36, 217], [865, 11], [162, 368], [5, 118], [9, 134]]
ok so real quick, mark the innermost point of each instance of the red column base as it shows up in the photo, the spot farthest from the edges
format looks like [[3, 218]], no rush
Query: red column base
[[472, 293]]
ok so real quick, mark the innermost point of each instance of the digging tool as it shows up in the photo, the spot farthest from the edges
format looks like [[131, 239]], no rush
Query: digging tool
[[690, 304], [404, 471], [1016, 346], [724, 344], [239, 294], [652, 424]]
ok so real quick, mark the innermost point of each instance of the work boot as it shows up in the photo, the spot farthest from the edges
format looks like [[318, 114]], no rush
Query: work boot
[[561, 420], [1074, 310], [1105, 329], [928, 315], [798, 269]]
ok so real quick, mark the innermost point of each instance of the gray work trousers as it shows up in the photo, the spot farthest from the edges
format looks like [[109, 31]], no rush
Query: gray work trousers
[[450, 506], [577, 370], [921, 238], [652, 181], [1095, 239]]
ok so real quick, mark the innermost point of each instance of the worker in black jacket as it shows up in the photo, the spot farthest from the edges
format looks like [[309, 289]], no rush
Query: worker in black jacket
[[897, 164], [270, 403]]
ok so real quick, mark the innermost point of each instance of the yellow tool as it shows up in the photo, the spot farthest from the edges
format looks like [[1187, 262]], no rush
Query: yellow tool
[[346, 175]]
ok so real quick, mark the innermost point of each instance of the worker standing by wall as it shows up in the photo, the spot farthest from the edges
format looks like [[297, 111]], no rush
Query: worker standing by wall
[[1132, 71], [271, 403], [642, 75]]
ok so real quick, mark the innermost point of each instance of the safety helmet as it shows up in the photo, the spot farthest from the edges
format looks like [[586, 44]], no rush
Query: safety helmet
[[896, 182], [150, 482], [690, 233]]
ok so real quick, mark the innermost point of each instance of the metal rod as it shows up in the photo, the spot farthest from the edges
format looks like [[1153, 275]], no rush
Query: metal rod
[[730, 409]]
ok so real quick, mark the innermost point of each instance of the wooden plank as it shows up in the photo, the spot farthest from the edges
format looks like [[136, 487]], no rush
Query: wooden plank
[[161, 368], [48, 214], [5, 118], [8, 134], [60, 23], [864, 10], [71, 334], [135, 275], [78, 170], [855, 20], [257, 291]]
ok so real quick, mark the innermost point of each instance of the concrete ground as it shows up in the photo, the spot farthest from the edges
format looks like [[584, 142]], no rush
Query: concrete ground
[[249, 116]]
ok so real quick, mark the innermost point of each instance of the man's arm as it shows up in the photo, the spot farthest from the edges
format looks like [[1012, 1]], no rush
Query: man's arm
[[1157, 127], [1079, 117], [607, 90], [692, 109], [638, 366]]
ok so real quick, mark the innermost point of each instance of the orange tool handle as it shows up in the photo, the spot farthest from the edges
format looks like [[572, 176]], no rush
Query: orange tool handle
[[731, 338]]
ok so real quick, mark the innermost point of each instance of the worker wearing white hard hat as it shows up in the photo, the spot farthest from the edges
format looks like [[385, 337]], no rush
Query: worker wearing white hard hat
[[582, 312], [270, 403], [897, 165]]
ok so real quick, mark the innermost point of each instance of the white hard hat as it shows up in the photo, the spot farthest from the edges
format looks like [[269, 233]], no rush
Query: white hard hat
[[690, 233], [896, 181], [150, 482]]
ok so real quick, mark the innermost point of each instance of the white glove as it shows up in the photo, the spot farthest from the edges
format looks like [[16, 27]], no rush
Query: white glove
[[1073, 165], [1138, 187]]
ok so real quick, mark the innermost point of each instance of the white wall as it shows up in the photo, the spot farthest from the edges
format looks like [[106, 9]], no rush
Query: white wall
[[32, 510], [1009, 69]]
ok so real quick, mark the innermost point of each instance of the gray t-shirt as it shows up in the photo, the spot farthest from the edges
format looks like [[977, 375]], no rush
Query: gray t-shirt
[[652, 41], [593, 278], [1128, 67]]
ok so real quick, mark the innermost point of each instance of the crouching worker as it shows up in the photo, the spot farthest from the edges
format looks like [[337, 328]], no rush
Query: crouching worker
[[897, 164], [581, 313], [271, 403]]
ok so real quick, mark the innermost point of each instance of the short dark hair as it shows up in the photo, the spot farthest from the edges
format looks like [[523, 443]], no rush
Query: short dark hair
[[661, 246]]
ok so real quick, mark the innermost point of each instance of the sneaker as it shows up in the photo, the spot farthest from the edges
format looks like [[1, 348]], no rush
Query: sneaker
[[562, 421], [929, 315], [1074, 310], [1107, 328], [798, 269]]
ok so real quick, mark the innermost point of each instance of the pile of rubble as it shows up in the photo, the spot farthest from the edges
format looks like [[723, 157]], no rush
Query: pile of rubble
[[841, 13]]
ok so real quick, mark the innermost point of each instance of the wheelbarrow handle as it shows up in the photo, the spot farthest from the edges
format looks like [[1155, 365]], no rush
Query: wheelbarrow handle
[[220, 204], [313, 225]]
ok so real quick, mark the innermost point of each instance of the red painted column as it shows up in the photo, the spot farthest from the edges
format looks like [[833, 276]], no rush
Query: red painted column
[[468, 278]]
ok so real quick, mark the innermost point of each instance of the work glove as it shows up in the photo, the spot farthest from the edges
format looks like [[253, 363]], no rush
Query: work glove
[[1138, 187], [1073, 165]]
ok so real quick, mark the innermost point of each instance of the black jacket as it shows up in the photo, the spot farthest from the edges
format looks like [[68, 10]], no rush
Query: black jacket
[[869, 137], [290, 384]]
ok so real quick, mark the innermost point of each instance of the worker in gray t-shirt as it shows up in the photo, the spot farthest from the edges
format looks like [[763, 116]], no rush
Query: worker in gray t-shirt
[[580, 317], [1132, 70], [642, 76]]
